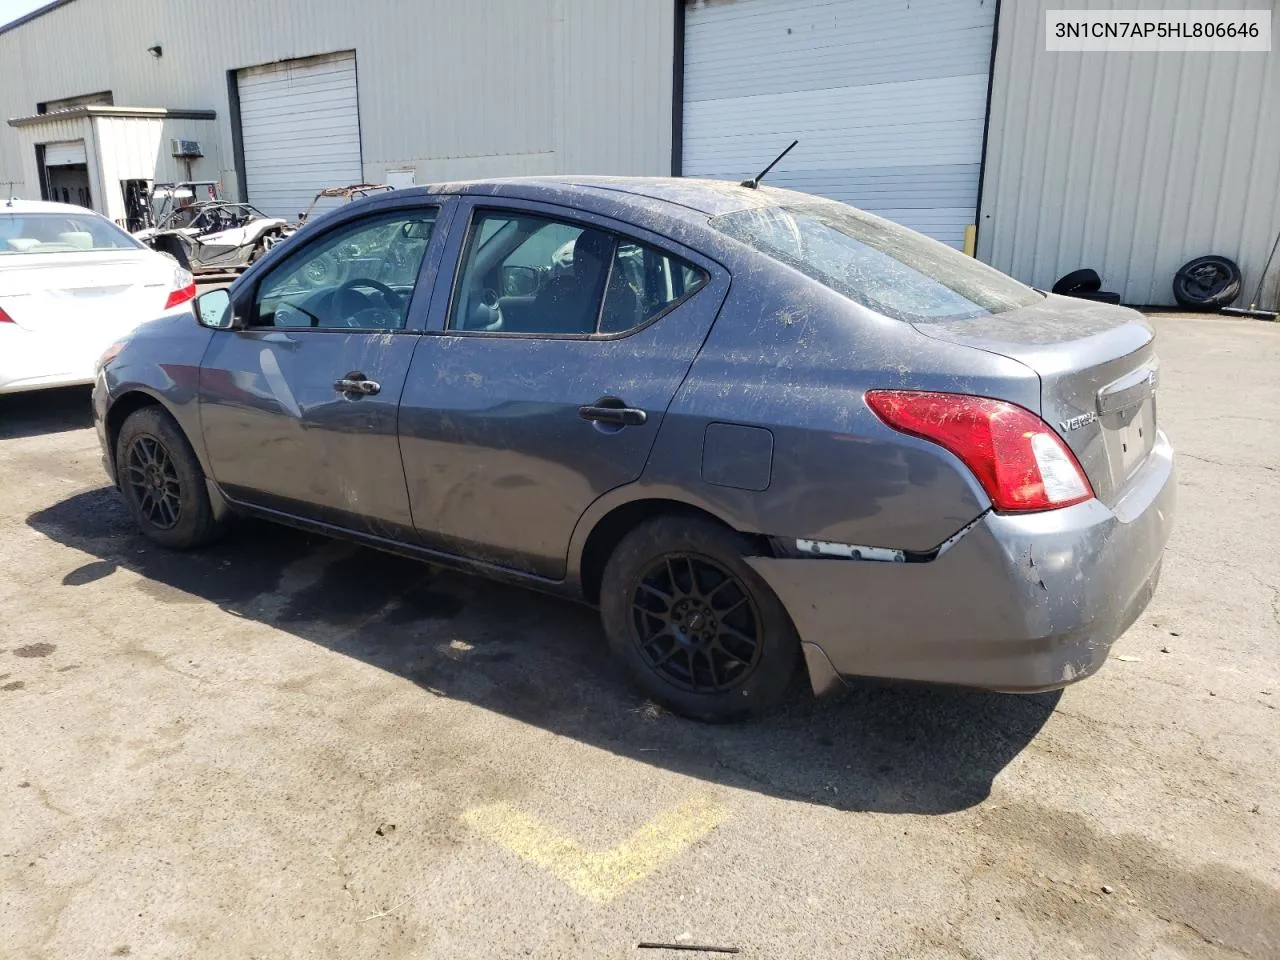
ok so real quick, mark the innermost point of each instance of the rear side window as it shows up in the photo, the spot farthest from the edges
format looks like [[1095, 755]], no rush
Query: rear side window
[[643, 282], [527, 274], [60, 233], [877, 263]]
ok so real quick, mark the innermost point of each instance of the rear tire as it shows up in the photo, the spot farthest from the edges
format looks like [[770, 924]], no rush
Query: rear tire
[[699, 630], [162, 483]]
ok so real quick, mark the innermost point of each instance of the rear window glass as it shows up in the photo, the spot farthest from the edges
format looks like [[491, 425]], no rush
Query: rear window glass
[[877, 263], [60, 233]]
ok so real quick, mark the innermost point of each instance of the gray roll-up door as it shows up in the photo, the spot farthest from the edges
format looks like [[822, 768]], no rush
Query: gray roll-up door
[[64, 153], [887, 98], [300, 127]]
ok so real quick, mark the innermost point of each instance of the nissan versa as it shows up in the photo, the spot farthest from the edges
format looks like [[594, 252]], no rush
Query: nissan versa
[[759, 429]]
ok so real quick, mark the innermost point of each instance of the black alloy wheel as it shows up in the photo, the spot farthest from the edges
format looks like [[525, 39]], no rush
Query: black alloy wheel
[[153, 477], [696, 624], [162, 482]]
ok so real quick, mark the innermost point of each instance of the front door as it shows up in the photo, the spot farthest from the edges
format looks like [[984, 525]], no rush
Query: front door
[[299, 408], [545, 379]]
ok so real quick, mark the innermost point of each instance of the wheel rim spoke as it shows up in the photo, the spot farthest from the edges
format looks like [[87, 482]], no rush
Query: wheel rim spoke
[[666, 598]]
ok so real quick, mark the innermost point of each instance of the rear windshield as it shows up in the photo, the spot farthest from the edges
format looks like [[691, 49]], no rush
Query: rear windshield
[[60, 233], [879, 264]]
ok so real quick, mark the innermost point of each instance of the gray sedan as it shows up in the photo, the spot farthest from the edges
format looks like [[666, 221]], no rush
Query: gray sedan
[[760, 430]]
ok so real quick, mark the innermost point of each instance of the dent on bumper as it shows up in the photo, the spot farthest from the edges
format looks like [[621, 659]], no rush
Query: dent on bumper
[[1019, 603]]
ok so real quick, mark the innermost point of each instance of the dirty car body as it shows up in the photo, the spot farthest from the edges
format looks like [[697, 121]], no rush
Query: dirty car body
[[782, 417]]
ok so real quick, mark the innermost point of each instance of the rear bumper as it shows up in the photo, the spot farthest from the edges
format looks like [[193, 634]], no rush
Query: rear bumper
[[45, 381], [1019, 603]]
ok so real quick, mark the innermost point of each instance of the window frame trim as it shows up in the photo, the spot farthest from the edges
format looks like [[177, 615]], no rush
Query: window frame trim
[[477, 210], [388, 212]]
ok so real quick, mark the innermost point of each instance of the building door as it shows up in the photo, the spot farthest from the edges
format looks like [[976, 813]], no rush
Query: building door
[[888, 100], [66, 173], [300, 130]]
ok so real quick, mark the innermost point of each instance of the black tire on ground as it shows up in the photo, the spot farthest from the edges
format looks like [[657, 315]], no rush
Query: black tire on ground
[[1098, 296], [1079, 281], [684, 577], [162, 483], [1207, 283]]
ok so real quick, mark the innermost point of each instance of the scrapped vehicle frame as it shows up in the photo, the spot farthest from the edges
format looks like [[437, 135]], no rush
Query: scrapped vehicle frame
[[210, 236]]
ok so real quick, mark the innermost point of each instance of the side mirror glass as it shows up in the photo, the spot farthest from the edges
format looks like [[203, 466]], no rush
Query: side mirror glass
[[519, 281], [213, 310]]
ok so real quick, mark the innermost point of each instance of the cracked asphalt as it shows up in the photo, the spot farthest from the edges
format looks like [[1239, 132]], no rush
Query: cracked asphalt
[[288, 747]]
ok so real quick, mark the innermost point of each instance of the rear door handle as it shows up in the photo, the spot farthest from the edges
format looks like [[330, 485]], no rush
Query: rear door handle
[[613, 411], [355, 383]]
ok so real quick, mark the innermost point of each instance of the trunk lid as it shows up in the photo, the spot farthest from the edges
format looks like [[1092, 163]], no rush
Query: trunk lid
[[67, 293], [1098, 376], [74, 304]]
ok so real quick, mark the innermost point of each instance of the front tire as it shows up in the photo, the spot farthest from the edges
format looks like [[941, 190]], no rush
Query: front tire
[[699, 630], [162, 483]]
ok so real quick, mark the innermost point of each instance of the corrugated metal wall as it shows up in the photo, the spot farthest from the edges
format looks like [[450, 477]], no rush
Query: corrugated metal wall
[[451, 89], [887, 99], [1131, 163]]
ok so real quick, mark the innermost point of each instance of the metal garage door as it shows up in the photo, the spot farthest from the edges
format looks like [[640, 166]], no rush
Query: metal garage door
[[64, 153], [888, 100], [300, 127]]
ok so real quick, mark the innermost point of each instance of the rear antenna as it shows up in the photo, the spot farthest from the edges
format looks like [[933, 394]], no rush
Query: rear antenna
[[754, 182]]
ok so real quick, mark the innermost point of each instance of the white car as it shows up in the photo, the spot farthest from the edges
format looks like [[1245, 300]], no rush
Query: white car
[[71, 284]]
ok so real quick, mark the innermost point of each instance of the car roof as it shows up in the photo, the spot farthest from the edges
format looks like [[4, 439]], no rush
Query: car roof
[[16, 205], [682, 196]]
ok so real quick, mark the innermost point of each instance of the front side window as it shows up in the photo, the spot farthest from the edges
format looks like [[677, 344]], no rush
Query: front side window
[[359, 277], [60, 233], [534, 275], [877, 263]]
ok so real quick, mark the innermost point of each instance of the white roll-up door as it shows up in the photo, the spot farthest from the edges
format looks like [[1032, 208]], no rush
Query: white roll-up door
[[300, 127], [64, 153], [887, 98]]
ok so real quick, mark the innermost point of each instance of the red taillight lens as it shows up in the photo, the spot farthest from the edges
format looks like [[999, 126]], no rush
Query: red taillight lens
[[181, 295], [5, 318], [1020, 462]]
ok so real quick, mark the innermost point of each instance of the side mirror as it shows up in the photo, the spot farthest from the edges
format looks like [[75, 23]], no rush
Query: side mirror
[[519, 281], [213, 310], [417, 229]]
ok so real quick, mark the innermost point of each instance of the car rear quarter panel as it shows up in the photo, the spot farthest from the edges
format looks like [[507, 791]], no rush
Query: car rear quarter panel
[[790, 356]]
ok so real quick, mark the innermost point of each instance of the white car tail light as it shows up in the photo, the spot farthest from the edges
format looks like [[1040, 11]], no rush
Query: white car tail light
[[183, 290]]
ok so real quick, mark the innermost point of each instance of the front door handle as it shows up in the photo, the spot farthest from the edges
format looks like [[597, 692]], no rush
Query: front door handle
[[613, 411], [355, 384]]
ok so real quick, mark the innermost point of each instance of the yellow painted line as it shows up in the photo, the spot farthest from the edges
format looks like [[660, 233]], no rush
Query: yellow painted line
[[599, 875]]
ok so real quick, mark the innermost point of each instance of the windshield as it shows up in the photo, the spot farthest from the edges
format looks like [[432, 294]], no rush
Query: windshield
[[877, 263], [60, 233]]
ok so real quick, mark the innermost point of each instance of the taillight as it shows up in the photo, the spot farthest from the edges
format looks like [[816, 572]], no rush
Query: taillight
[[5, 318], [1020, 462], [184, 288]]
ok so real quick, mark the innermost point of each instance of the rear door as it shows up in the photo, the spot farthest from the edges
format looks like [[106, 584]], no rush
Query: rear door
[[299, 409], [545, 376]]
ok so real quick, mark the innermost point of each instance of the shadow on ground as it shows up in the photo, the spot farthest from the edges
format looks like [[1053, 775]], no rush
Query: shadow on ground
[[44, 411], [544, 661]]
